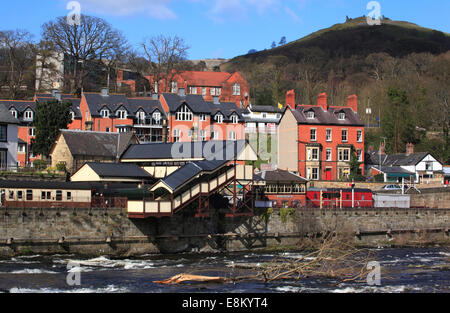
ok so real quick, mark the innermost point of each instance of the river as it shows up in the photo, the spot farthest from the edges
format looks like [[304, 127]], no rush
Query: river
[[403, 270]]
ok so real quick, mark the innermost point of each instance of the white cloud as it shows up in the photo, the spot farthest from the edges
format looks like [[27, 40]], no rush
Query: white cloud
[[155, 8], [292, 14]]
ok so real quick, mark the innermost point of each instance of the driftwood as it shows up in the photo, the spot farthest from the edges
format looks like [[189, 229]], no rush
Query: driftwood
[[333, 259]]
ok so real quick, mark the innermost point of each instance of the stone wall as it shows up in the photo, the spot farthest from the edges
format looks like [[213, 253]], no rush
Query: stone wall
[[100, 232]]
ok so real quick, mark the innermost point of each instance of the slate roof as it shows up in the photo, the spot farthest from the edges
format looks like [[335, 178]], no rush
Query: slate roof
[[215, 149], [404, 160], [195, 102], [227, 109], [266, 108], [118, 170], [189, 171], [44, 184], [281, 176], [329, 117], [19, 106], [392, 170], [96, 102], [149, 106], [96, 143], [6, 116]]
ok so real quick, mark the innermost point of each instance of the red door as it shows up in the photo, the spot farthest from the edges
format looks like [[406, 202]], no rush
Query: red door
[[328, 174]]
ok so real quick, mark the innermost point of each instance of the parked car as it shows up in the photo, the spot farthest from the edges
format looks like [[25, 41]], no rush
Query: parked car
[[392, 187]]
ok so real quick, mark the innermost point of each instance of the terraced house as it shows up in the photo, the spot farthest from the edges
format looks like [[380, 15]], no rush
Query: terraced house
[[317, 140]]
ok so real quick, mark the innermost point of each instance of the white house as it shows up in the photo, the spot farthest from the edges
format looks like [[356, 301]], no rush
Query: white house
[[9, 126], [262, 119]]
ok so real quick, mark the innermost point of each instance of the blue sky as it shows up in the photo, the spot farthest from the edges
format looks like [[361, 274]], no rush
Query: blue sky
[[222, 28]]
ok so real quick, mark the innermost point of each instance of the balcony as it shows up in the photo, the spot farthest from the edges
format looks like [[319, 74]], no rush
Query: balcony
[[147, 123]]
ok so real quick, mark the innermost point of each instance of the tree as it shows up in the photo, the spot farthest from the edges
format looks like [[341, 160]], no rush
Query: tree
[[46, 69], [166, 56], [92, 41], [50, 117], [251, 51], [355, 166], [273, 45], [17, 57], [282, 41]]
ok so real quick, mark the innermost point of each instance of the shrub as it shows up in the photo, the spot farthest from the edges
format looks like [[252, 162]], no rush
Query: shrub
[[39, 164], [61, 167], [379, 178]]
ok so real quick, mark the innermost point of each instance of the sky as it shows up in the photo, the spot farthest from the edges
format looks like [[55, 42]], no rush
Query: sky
[[222, 28]]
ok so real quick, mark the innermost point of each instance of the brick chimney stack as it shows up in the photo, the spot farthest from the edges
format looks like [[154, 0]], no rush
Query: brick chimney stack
[[322, 101], [290, 99], [409, 148], [352, 102]]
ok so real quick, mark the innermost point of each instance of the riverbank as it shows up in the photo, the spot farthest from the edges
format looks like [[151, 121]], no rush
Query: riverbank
[[111, 233]]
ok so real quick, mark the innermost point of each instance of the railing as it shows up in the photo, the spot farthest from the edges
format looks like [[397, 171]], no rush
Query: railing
[[147, 122]]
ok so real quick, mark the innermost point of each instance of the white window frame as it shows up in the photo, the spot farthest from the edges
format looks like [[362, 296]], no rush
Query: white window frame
[[174, 87], [341, 116], [234, 119], [104, 113], [176, 135], [204, 91], [232, 135], [310, 115], [214, 135], [345, 131], [218, 118], [329, 154], [13, 112], [359, 155], [32, 132], [72, 115], [28, 115], [193, 90], [121, 114], [203, 117], [184, 114], [359, 135], [329, 135], [156, 116], [236, 89], [202, 135], [311, 132]]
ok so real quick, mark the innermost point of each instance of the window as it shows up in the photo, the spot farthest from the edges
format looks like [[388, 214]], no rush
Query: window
[[264, 115], [329, 135], [278, 115], [203, 117], [310, 115], [344, 155], [69, 195], [157, 117], [193, 90], [236, 90], [174, 87], [214, 91], [28, 115], [49, 195], [234, 119], [121, 114], [359, 155], [107, 129], [214, 135], [29, 195], [359, 135], [329, 155], [203, 135], [72, 115], [176, 135], [31, 131], [104, 113], [429, 166], [203, 91], [341, 116], [14, 113], [232, 136], [344, 135], [20, 194], [3, 156], [313, 173], [312, 154], [3, 132], [11, 194], [43, 195], [184, 114], [58, 195], [141, 117], [315, 154], [21, 148], [313, 134], [219, 118]]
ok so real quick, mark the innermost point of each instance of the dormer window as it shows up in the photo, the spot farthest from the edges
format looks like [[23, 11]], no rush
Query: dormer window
[[104, 113], [174, 87], [236, 90], [234, 119], [341, 116], [156, 116], [72, 115], [184, 114], [219, 118], [14, 113], [121, 114], [310, 115], [28, 115]]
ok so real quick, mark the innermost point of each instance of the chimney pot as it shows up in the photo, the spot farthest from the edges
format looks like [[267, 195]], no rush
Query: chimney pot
[[409, 148], [290, 99]]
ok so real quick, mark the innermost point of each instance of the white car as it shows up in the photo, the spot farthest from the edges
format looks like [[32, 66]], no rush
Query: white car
[[391, 187]]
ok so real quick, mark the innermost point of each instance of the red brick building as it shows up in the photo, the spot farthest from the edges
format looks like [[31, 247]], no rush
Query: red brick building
[[225, 86], [316, 141]]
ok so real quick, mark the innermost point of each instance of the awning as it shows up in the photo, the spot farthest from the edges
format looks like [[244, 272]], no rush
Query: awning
[[405, 175]]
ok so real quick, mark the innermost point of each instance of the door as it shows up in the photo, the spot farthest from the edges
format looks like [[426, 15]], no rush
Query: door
[[328, 174]]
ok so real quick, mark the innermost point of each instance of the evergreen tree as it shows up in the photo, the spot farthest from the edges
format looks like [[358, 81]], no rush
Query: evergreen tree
[[274, 45], [49, 118], [355, 166], [282, 41]]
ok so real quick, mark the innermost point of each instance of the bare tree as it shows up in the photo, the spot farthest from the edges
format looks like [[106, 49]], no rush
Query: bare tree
[[47, 71], [166, 56], [17, 58], [92, 41]]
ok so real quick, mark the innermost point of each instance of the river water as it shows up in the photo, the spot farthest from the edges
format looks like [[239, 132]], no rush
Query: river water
[[403, 270]]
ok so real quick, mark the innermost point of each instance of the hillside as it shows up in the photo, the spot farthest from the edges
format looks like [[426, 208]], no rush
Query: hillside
[[380, 64]]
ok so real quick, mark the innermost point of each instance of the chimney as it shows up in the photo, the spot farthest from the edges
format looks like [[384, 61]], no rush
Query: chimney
[[58, 96], [290, 99], [382, 149], [352, 102], [322, 101], [104, 92], [409, 148]]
